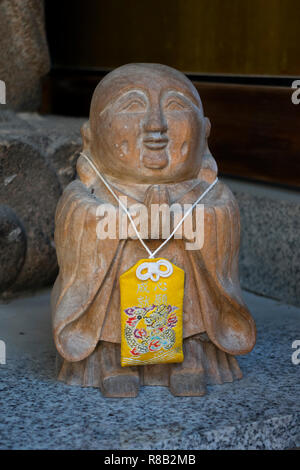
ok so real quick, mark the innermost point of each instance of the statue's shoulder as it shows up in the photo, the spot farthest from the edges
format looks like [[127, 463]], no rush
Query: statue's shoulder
[[218, 196], [74, 195], [222, 194], [76, 190]]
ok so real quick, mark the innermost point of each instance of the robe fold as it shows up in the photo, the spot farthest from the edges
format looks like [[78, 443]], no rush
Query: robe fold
[[86, 299]]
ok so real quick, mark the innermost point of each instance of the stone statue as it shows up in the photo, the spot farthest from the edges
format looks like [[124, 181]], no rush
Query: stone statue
[[147, 135]]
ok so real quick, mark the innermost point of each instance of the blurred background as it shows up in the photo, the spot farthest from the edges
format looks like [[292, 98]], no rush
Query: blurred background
[[241, 54], [240, 37]]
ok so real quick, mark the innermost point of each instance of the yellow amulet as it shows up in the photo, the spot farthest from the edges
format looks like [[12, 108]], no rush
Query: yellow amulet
[[151, 313]]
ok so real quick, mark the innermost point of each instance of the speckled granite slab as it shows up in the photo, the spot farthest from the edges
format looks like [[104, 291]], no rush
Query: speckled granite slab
[[261, 411], [270, 242]]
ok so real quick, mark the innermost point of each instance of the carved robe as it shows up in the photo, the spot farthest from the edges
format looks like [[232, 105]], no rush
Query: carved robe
[[86, 297]]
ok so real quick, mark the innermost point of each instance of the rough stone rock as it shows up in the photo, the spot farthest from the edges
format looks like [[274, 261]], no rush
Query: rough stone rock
[[30, 187], [24, 57], [60, 140], [37, 160], [12, 246]]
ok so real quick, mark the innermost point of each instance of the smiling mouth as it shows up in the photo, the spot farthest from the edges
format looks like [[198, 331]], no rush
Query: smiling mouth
[[153, 143]]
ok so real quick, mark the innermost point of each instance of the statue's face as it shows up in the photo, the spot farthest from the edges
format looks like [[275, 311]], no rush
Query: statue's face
[[151, 130]]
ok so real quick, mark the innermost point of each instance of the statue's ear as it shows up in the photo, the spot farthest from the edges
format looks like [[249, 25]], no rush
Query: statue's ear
[[207, 127], [209, 168], [86, 136], [84, 170]]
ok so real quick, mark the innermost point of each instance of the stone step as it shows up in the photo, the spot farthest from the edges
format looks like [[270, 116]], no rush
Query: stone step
[[260, 411], [270, 239]]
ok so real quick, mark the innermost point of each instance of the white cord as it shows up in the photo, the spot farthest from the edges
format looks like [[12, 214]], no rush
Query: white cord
[[151, 254]]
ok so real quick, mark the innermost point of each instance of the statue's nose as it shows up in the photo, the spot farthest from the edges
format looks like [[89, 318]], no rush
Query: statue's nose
[[155, 121]]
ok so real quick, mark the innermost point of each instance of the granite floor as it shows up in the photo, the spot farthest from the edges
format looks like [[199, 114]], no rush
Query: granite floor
[[261, 411]]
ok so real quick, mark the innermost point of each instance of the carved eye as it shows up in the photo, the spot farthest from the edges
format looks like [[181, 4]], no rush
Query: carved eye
[[135, 106], [174, 105]]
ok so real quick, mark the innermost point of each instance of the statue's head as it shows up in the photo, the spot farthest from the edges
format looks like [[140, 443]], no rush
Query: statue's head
[[147, 125]]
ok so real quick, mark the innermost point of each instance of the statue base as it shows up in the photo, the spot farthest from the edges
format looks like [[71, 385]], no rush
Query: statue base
[[204, 364]]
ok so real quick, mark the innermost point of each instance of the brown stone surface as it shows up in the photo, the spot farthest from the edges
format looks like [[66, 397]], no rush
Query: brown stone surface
[[31, 187], [24, 57], [12, 246], [147, 135], [37, 160]]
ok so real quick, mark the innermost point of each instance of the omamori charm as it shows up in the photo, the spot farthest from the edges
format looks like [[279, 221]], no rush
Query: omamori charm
[[151, 313]]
